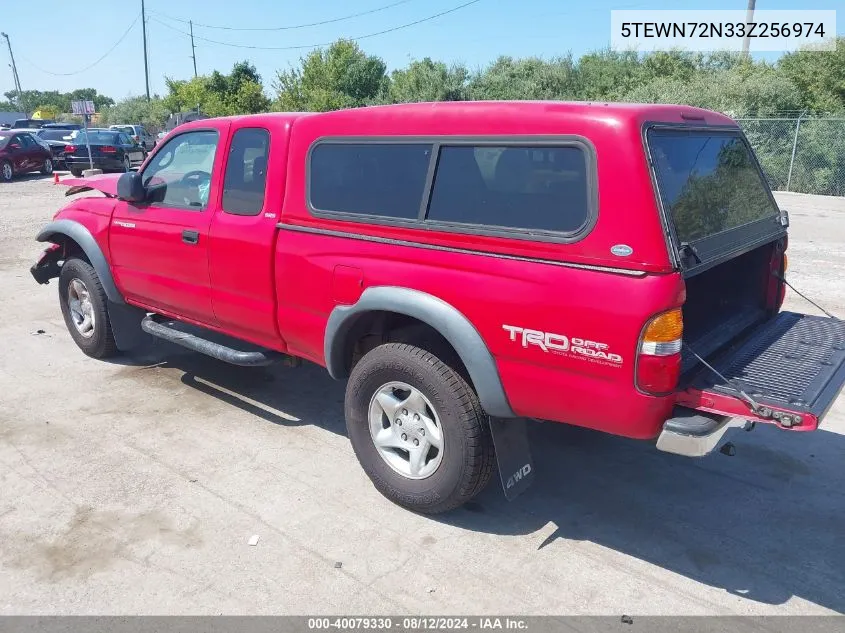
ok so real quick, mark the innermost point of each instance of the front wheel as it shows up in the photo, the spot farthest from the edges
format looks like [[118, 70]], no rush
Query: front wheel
[[84, 307], [6, 171], [418, 429]]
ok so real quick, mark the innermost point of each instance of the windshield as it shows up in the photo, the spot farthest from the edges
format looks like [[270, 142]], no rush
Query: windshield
[[709, 181], [53, 135]]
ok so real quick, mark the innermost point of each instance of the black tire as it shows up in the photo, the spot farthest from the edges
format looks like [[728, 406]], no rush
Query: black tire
[[77, 173], [7, 171], [468, 457], [127, 164], [47, 166], [100, 344]]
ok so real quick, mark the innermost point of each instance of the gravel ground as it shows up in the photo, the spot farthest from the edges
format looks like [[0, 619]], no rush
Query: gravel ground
[[133, 487]]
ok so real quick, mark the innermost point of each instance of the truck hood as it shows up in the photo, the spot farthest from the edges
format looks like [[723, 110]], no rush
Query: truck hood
[[106, 183]]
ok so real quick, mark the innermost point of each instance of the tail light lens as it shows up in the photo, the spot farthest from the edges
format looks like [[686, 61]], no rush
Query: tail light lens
[[70, 149], [659, 357], [108, 149]]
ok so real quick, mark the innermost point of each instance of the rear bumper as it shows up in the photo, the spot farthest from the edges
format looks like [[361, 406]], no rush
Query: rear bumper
[[693, 434], [99, 163]]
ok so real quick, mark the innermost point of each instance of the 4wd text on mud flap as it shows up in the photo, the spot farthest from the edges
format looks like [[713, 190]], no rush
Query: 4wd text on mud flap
[[518, 476]]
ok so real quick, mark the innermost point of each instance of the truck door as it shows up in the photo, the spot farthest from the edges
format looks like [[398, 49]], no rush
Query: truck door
[[243, 231], [159, 248]]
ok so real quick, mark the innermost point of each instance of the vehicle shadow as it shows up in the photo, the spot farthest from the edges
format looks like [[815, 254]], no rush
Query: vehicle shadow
[[282, 395], [768, 524]]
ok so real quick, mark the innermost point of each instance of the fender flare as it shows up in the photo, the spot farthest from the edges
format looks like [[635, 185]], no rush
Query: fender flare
[[82, 236], [443, 317]]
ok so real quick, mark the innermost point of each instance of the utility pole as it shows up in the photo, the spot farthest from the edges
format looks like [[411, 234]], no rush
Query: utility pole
[[749, 17], [15, 73], [144, 30], [193, 50]]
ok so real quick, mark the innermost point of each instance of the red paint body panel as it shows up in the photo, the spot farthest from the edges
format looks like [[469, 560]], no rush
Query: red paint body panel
[[276, 287]]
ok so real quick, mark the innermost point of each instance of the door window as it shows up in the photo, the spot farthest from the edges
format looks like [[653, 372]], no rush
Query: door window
[[246, 172], [179, 175]]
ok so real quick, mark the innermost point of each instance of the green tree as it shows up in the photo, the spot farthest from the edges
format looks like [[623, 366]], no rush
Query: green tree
[[427, 80], [743, 91], [820, 77], [529, 78], [239, 92], [136, 110], [340, 76]]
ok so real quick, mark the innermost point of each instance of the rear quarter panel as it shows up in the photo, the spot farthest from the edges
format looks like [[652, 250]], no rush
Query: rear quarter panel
[[492, 292], [500, 281]]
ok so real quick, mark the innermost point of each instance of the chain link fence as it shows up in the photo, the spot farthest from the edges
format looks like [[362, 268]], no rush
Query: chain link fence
[[804, 154]]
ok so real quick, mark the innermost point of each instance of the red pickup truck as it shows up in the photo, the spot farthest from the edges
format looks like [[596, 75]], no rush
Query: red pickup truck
[[467, 266]]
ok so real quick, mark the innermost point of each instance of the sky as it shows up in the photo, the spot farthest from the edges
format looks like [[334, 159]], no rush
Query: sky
[[53, 49]]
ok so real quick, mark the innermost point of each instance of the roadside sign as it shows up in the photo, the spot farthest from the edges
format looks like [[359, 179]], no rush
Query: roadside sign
[[82, 107]]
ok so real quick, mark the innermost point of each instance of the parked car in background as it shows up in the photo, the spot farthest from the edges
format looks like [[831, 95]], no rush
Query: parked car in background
[[57, 139], [111, 150], [139, 134], [31, 123], [20, 153]]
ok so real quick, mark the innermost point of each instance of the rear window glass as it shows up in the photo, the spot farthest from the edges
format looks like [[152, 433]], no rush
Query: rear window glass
[[98, 138], [125, 128], [523, 187], [53, 135], [709, 182], [384, 179]]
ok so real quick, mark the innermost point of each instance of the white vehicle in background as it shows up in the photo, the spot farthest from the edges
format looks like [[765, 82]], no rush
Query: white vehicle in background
[[137, 133]]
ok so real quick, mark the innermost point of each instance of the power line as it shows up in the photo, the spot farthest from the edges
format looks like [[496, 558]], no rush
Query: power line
[[89, 66], [290, 27], [304, 46]]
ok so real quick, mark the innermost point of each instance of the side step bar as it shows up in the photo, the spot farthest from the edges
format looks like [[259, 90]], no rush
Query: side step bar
[[168, 331]]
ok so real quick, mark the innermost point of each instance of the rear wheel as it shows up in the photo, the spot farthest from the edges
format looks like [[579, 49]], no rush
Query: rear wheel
[[127, 164], [84, 307], [418, 429], [47, 166], [6, 171], [77, 173]]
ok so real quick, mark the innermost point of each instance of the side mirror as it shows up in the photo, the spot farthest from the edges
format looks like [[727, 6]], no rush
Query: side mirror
[[14, 146], [130, 188]]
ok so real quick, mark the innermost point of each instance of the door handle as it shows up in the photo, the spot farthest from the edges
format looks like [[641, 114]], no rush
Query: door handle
[[190, 237]]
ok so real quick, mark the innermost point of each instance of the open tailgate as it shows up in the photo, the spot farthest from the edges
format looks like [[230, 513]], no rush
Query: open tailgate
[[792, 366]]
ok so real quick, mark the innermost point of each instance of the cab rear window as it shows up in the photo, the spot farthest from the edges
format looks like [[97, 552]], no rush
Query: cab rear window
[[708, 181], [519, 187], [455, 185]]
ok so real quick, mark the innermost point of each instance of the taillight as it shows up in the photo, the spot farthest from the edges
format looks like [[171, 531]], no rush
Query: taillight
[[70, 149], [659, 357], [108, 149]]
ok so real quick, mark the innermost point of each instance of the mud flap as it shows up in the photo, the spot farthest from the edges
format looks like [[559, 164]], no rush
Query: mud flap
[[516, 468], [126, 325]]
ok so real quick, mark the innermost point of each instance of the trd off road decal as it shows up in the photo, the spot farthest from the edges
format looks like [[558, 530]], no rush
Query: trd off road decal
[[549, 342]]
